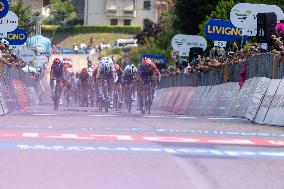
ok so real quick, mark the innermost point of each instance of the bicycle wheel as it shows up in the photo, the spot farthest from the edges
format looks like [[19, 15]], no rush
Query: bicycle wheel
[[56, 98], [128, 99]]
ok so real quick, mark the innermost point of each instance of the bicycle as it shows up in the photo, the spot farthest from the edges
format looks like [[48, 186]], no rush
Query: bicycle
[[128, 96], [57, 93], [104, 101], [146, 96]]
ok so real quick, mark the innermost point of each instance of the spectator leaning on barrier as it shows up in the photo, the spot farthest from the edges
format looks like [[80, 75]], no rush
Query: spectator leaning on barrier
[[276, 46]]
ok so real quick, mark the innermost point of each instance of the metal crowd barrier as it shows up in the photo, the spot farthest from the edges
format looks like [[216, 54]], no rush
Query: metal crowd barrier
[[9, 92], [262, 65]]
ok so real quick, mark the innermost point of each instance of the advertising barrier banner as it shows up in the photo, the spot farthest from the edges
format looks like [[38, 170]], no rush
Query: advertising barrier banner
[[195, 100], [225, 98], [3, 109], [183, 99], [256, 99], [266, 103], [211, 100], [275, 115]]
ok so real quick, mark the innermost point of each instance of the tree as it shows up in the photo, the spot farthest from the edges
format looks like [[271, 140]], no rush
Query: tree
[[222, 12], [62, 11], [27, 18], [189, 14]]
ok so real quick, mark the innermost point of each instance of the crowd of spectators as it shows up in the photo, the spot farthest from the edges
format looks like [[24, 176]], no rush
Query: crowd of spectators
[[219, 57], [8, 58]]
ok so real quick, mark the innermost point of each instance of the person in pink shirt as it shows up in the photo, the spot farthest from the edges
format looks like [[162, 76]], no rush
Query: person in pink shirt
[[280, 29]]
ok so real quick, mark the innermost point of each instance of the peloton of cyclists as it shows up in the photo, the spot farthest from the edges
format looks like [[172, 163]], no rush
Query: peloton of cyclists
[[90, 83]]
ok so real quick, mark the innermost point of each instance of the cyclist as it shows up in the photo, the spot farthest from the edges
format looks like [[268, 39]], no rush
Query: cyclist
[[75, 85], [129, 78], [106, 71], [83, 83], [148, 74], [68, 86], [118, 83], [57, 74]]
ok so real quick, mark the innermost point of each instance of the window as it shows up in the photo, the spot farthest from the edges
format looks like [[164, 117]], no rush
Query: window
[[128, 12], [147, 5], [147, 23], [127, 22], [113, 22]]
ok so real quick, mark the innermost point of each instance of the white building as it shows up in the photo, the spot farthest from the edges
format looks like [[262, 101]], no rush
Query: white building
[[122, 12]]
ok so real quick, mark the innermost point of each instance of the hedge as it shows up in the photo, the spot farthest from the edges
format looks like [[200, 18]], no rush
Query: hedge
[[91, 29]]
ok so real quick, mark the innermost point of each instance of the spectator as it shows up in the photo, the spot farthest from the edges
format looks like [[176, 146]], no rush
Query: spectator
[[75, 48]]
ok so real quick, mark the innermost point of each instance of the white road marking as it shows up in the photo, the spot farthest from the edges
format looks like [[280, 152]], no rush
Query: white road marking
[[30, 135], [187, 117], [223, 118], [102, 115], [45, 114]]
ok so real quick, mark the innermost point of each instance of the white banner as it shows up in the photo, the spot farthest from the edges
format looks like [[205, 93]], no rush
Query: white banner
[[27, 55], [8, 23], [183, 43], [244, 16]]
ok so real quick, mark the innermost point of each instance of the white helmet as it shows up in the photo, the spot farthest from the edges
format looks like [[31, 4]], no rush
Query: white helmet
[[5, 42], [133, 69], [106, 69], [106, 60]]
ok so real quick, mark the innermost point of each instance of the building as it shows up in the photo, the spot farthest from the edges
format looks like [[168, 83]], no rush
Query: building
[[124, 12], [79, 7]]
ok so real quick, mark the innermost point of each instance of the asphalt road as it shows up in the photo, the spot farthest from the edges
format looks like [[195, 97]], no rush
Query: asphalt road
[[81, 148]]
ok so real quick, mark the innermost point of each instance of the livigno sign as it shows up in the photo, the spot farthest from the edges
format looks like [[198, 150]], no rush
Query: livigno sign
[[222, 30], [4, 8], [17, 37]]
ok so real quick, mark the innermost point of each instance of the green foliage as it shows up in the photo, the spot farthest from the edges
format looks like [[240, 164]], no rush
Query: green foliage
[[189, 14], [27, 18], [91, 29], [160, 43], [62, 12], [222, 12]]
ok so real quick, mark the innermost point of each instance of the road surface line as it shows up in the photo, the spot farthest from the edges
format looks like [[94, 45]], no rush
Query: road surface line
[[30, 135], [148, 138]]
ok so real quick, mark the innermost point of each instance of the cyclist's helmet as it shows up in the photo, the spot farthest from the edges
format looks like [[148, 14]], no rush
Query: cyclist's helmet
[[147, 61], [116, 67], [56, 61], [133, 69], [106, 68], [5, 42], [84, 70], [105, 60]]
